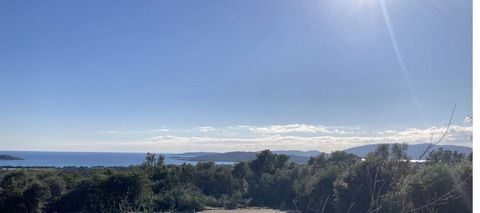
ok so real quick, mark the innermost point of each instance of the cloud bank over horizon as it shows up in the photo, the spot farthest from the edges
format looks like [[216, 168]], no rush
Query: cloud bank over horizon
[[255, 138]]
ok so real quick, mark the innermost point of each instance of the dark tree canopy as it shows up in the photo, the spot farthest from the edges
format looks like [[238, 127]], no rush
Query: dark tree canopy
[[384, 181]]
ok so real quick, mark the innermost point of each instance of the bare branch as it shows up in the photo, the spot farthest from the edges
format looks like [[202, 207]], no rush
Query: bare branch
[[436, 201], [432, 144], [325, 203]]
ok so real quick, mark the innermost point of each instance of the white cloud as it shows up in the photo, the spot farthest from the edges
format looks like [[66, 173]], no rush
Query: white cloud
[[240, 126], [206, 129], [299, 128], [415, 135], [459, 135], [468, 120]]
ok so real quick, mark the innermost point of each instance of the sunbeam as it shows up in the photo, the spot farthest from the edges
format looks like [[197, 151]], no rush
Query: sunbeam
[[399, 56]]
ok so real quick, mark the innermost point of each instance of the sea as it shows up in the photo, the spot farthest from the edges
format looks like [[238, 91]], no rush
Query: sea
[[87, 159]]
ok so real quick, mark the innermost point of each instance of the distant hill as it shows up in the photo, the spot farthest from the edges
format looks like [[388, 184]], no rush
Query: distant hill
[[226, 157], [9, 157], [245, 156], [192, 154], [297, 156], [414, 150], [298, 153]]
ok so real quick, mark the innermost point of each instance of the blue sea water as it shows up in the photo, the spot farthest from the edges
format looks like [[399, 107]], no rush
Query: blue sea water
[[88, 159]]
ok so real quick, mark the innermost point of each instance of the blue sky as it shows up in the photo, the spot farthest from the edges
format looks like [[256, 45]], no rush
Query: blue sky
[[207, 75]]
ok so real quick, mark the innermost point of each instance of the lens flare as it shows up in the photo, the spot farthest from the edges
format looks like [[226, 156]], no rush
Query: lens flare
[[401, 62]]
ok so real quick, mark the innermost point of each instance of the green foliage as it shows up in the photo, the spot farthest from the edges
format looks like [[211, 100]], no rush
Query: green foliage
[[115, 192], [181, 198], [437, 188], [445, 156], [385, 181], [314, 188], [22, 192]]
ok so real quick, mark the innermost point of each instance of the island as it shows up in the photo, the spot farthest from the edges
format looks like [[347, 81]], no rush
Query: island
[[9, 157]]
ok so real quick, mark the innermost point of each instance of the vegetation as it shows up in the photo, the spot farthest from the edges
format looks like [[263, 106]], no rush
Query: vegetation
[[384, 181]]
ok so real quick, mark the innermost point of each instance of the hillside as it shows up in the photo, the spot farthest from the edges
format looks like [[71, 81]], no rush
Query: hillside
[[239, 156], [298, 153], [302, 156], [9, 157], [414, 150]]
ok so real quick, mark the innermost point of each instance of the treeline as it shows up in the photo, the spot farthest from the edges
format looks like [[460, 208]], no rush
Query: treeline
[[384, 181]]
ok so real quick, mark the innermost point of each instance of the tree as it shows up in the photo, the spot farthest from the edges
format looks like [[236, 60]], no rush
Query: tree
[[445, 156], [34, 196], [437, 188], [242, 173], [362, 187]]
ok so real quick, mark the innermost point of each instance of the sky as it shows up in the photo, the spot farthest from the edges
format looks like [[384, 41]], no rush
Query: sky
[[225, 75]]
